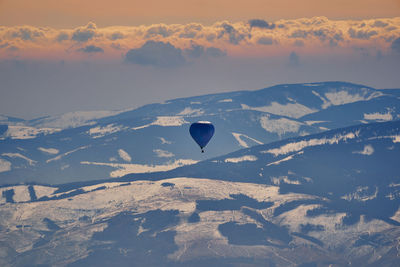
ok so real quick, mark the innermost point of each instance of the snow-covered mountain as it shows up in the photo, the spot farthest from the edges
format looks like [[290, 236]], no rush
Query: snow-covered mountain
[[99, 145], [327, 199]]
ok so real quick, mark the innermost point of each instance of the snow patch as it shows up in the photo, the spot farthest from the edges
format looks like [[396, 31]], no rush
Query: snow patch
[[191, 112], [124, 155], [285, 179], [64, 166], [100, 131], [313, 122], [163, 153], [164, 141], [241, 159], [169, 121], [4, 165], [368, 151], [75, 119], [42, 191], [284, 159], [298, 216], [396, 216], [123, 169], [51, 151], [241, 142], [21, 193], [66, 154], [343, 97], [26, 132], [362, 193], [378, 116], [292, 110], [18, 155], [165, 121], [297, 146], [325, 103], [279, 126], [312, 84]]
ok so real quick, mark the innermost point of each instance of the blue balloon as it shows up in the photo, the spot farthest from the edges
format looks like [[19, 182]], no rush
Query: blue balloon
[[201, 132]]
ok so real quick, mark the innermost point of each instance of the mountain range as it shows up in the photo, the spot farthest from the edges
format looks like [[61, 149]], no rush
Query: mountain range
[[98, 145], [296, 175]]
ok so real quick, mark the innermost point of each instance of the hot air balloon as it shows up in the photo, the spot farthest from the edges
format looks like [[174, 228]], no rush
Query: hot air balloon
[[201, 132]]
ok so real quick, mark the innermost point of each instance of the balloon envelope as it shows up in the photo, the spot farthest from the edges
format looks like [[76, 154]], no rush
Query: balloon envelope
[[201, 132]]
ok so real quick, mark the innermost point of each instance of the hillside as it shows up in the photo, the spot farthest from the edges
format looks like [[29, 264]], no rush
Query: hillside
[[83, 146], [330, 198]]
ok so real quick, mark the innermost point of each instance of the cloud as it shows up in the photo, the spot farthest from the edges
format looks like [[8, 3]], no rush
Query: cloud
[[116, 46], [26, 33], [318, 35], [361, 34], [62, 36], [396, 45], [157, 54], [294, 59], [159, 30], [379, 24], [3, 45], [299, 34], [116, 36], [84, 34], [335, 39], [314, 21], [190, 30], [262, 24], [91, 49], [228, 28], [197, 51], [326, 35], [234, 36]]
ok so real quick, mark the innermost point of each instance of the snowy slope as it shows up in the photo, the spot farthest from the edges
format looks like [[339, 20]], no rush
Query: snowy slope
[[87, 145], [71, 119], [326, 199]]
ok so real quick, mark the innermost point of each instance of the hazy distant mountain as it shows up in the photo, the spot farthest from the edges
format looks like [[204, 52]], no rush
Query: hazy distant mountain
[[330, 198], [98, 145]]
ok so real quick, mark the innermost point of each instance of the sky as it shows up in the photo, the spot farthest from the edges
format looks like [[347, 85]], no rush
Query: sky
[[69, 55]]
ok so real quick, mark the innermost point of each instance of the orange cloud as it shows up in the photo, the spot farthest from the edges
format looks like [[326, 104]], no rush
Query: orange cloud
[[240, 39]]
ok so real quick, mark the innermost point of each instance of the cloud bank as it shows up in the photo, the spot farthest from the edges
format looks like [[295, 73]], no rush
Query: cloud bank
[[175, 44]]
